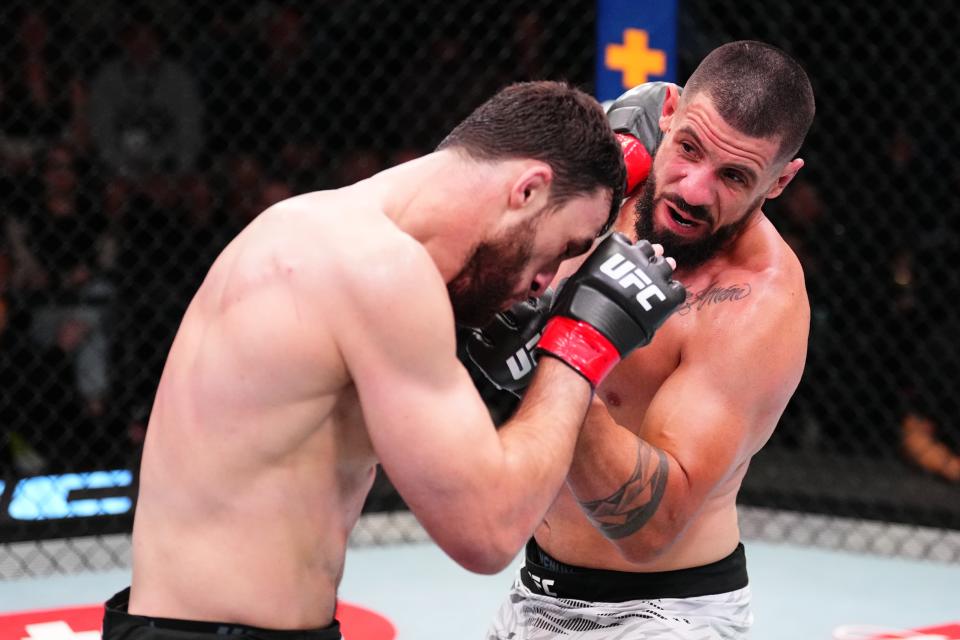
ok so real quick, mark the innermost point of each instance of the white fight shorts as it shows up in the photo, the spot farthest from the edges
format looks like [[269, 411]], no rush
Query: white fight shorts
[[553, 600]]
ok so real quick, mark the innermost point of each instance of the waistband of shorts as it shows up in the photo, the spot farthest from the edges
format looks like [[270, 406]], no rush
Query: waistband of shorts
[[562, 580], [118, 622]]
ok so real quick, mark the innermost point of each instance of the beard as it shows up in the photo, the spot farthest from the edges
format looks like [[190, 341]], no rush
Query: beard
[[491, 275], [689, 253]]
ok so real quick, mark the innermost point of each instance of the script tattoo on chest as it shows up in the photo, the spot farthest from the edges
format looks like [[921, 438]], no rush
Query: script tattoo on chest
[[713, 295], [636, 501]]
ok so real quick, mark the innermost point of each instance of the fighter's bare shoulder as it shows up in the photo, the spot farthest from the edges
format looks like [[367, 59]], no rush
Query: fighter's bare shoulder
[[769, 284], [751, 325], [776, 284], [357, 251], [371, 278]]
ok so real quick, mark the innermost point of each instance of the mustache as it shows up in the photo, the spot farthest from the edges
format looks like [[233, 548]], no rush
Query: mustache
[[697, 212]]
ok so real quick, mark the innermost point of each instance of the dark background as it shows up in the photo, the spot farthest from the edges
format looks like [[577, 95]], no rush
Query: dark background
[[136, 140]]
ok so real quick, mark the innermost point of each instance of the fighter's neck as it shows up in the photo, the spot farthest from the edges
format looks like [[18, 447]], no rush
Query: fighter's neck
[[440, 201], [754, 249]]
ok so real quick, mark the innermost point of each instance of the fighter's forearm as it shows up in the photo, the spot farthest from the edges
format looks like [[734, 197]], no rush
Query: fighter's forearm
[[630, 490], [539, 441], [482, 502]]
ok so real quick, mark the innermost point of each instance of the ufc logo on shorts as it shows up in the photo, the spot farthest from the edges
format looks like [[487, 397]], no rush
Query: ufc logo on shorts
[[629, 275], [521, 363], [543, 584]]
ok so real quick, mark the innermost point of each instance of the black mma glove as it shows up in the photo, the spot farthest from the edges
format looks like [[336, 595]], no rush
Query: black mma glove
[[504, 349], [635, 118], [613, 304]]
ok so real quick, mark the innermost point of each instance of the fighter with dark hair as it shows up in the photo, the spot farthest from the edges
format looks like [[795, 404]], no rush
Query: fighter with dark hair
[[321, 343], [643, 541]]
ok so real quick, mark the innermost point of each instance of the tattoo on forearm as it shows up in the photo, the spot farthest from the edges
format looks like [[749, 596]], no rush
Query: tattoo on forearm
[[712, 295], [636, 501]]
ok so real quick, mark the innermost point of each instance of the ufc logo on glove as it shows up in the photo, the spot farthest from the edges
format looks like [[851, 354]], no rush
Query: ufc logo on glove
[[627, 275], [611, 305], [522, 362]]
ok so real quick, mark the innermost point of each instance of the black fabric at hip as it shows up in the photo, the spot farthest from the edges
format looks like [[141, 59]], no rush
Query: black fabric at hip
[[120, 625], [545, 575]]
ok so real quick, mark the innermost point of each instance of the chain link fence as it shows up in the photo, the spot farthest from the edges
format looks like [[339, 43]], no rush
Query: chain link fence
[[873, 430], [137, 139]]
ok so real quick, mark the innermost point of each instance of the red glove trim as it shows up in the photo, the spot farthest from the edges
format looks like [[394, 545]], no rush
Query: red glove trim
[[581, 346], [637, 159]]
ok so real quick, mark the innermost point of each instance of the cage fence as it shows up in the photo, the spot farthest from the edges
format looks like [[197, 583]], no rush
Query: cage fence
[[137, 139]]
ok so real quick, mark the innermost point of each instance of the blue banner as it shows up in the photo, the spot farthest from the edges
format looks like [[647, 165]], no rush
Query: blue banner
[[68, 504], [636, 43]]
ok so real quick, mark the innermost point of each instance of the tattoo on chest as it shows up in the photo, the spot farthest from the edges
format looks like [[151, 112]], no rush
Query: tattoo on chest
[[636, 501], [713, 295]]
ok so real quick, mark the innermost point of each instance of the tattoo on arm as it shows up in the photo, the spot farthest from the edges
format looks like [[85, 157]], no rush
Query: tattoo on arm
[[636, 501]]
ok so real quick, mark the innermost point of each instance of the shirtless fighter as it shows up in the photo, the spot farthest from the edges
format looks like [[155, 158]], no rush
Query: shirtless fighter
[[322, 342], [643, 541]]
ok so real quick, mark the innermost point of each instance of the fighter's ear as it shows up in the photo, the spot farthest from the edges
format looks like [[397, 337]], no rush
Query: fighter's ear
[[531, 187], [787, 174], [671, 103]]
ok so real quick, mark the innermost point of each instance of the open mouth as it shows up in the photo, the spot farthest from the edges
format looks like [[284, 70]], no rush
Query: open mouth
[[681, 219], [679, 222]]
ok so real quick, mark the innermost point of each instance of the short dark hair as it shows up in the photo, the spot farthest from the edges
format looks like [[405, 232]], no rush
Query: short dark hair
[[554, 123], [758, 90]]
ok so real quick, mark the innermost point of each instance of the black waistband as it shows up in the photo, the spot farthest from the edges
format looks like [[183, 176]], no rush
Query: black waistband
[[118, 623], [546, 575]]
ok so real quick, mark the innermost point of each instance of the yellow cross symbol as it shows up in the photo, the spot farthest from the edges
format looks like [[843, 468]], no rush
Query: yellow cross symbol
[[635, 58]]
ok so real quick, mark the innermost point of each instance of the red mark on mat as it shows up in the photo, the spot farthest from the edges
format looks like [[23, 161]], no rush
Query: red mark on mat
[[83, 623], [950, 631]]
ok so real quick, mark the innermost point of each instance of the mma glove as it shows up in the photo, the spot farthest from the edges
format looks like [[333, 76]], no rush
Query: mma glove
[[635, 119], [504, 349], [613, 304]]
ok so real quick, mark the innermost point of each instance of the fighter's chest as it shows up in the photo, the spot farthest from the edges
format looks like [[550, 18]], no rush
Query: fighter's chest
[[632, 385]]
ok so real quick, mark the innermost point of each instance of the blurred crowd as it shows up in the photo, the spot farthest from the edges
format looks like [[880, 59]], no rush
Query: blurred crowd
[[883, 357], [135, 142], [116, 197]]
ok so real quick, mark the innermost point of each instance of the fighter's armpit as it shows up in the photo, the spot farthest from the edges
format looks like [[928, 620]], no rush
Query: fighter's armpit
[[631, 506]]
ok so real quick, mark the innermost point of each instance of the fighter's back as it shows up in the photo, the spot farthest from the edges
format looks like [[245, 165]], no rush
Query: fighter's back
[[256, 461]]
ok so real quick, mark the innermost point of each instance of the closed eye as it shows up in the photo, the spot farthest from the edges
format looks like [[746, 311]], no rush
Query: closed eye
[[575, 249]]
